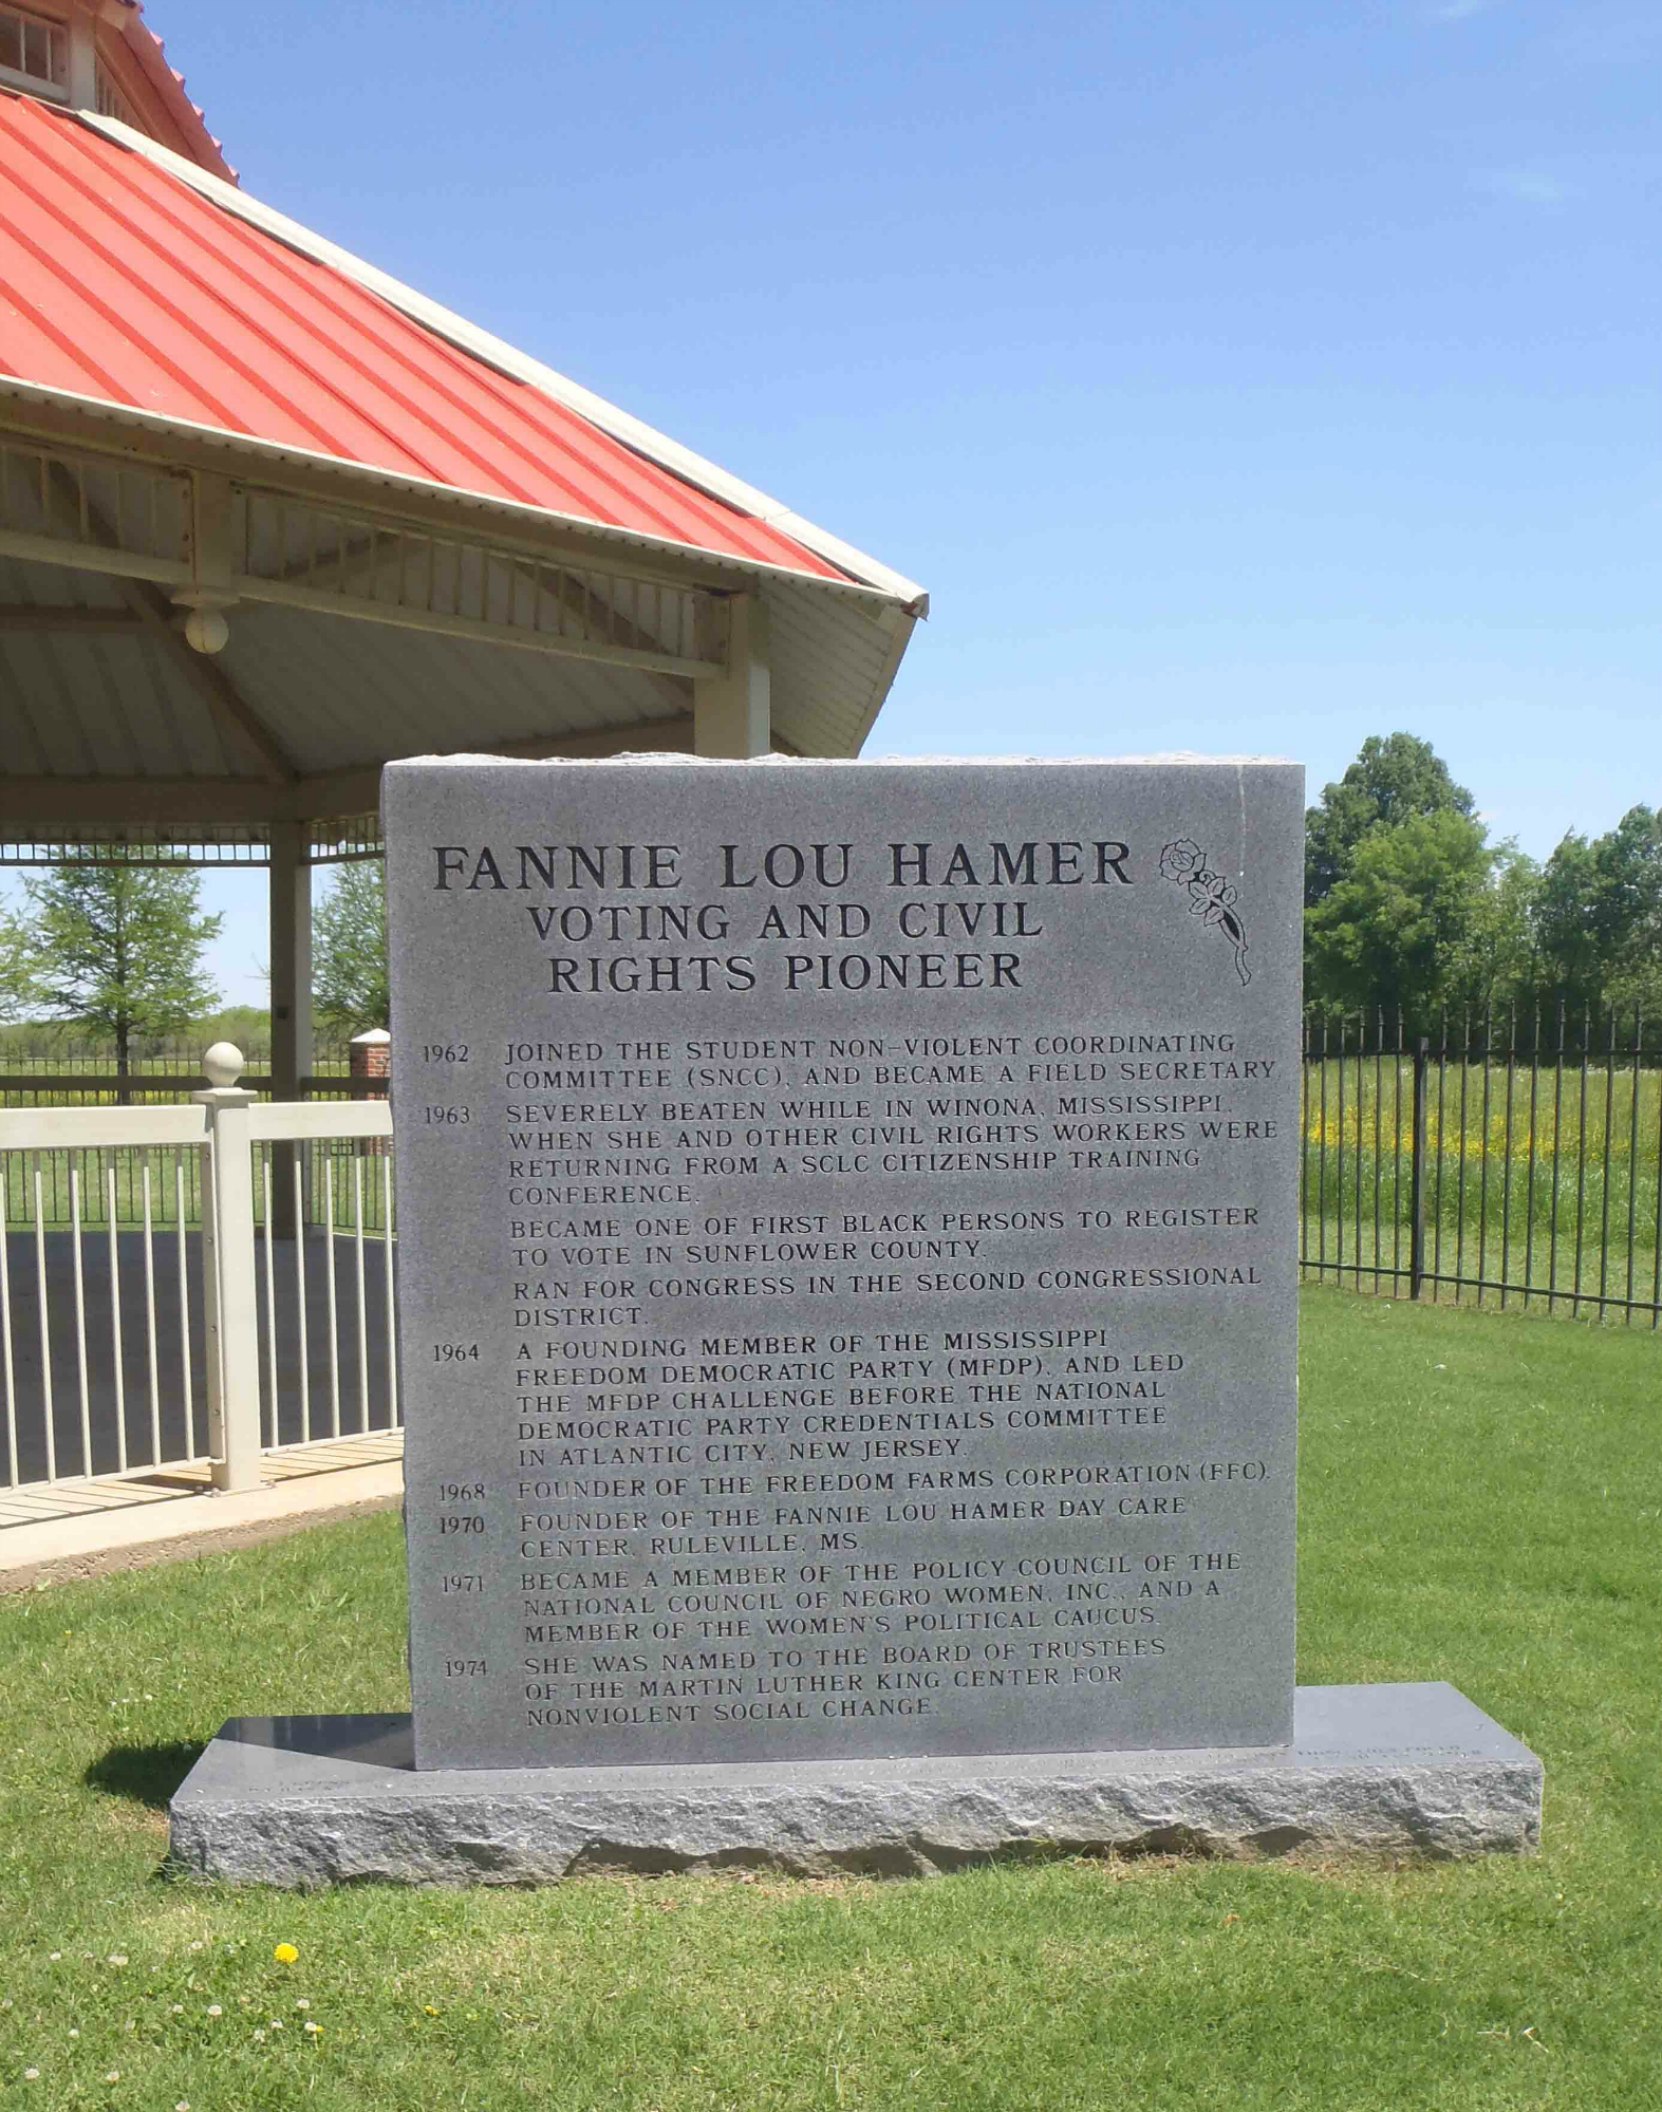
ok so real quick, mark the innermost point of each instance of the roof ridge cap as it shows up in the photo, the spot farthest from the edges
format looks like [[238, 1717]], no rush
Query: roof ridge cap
[[481, 344]]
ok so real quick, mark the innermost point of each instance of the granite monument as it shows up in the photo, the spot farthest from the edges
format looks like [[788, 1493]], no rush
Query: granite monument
[[847, 1257]]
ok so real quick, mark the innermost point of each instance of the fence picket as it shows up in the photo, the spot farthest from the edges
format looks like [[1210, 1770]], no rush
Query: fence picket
[[1633, 1169]]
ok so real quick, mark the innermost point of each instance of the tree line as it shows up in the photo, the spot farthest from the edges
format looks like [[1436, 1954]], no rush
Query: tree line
[[117, 950], [1409, 908]]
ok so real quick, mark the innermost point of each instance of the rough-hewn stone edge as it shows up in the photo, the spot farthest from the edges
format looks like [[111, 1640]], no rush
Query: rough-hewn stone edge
[[881, 1825]]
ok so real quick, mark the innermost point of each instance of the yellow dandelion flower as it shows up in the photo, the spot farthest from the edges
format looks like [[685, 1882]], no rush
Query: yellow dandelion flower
[[285, 1954]]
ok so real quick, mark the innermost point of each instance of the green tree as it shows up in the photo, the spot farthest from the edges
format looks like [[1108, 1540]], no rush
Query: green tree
[[118, 949], [1498, 962], [1599, 916], [1401, 927], [1395, 779], [16, 982], [349, 950]]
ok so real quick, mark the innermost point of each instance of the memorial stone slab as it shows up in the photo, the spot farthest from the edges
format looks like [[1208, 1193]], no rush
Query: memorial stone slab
[[847, 1256], [847, 1263]]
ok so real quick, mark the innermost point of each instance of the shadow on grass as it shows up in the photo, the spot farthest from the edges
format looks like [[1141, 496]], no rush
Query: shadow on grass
[[148, 1774]]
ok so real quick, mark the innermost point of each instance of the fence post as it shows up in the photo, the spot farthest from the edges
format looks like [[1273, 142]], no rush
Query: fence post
[[1416, 1255], [228, 1275]]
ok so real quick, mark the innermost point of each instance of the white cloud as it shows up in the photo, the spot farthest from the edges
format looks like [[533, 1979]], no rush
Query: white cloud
[[1460, 10]]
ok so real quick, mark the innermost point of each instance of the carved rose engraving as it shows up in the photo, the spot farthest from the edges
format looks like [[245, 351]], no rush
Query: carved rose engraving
[[1211, 897]]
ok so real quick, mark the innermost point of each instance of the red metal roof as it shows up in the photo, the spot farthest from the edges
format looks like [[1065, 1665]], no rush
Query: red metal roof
[[119, 281]]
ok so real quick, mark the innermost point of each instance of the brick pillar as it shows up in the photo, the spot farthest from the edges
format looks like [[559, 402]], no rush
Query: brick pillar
[[370, 1060]]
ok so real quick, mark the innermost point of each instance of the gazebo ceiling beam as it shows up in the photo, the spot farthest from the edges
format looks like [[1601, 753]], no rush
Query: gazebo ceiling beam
[[568, 587], [557, 645], [75, 556], [333, 486], [38, 805], [66, 498], [70, 616], [140, 571], [221, 695]]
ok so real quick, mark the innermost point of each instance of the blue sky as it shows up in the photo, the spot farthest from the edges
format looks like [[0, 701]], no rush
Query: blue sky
[[1236, 377]]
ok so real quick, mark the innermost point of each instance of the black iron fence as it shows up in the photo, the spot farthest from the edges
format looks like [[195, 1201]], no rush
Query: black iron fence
[[58, 1187], [53, 1072], [1511, 1160]]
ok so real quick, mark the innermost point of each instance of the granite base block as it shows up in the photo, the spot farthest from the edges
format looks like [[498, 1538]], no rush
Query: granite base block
[[315, 1800]]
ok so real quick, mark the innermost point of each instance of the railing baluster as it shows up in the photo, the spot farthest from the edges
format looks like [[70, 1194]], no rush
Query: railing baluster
[[7, 1361], [363, 1303], [116, 1345], [182, 1250], [152, 1362], [45, 1326], [300, 1296], [330, 1164], [273, 1422], [80, 1310], [386, 1256]]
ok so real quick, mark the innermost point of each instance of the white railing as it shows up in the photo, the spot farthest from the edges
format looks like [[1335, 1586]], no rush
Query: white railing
[[198, 1283]]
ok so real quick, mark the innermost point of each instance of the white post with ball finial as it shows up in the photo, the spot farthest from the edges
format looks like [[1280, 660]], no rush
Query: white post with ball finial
[[228, 1275]]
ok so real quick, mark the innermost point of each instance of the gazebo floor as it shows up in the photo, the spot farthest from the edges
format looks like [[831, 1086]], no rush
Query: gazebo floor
[[40, 1501]]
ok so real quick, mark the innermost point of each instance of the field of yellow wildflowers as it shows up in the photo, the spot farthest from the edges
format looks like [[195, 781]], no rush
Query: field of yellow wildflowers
[[1539, 1186]]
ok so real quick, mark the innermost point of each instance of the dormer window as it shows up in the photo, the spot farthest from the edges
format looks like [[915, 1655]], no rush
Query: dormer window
[[33, 54]]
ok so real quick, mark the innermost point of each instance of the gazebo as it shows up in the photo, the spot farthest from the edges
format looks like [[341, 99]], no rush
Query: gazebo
[[269, 518]]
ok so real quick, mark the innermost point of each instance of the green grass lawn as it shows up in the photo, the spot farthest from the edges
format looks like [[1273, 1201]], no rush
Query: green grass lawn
[[1481, 1504]]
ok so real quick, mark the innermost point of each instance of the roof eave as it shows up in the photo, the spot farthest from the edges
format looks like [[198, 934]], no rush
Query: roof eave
[[361, 475]]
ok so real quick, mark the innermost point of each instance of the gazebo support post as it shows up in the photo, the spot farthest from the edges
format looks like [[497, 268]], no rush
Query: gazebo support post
[[291, 998], [732, 711]]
